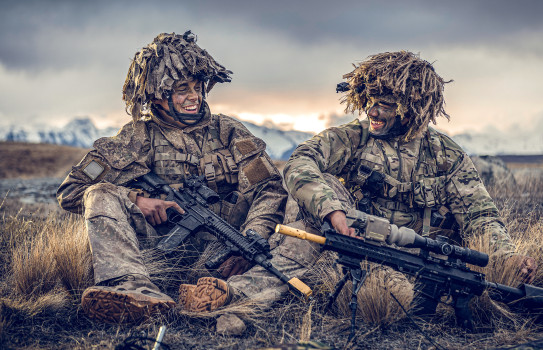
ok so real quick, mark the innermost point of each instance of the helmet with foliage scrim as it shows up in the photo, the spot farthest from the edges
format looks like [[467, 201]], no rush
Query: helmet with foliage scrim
[[400, 77], [169, 58]]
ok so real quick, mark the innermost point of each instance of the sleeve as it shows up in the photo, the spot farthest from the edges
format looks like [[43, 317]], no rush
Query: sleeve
[[268, 197], [93, 168], [471, 204], [116, 160], [327, 152], [259, 180]]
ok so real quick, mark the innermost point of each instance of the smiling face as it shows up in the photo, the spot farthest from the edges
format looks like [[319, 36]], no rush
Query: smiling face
[[186, 97], [383, 116]]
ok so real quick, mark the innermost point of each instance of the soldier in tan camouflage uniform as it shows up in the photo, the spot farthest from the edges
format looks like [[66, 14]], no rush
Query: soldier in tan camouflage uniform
[[174, 134], [393, 164]]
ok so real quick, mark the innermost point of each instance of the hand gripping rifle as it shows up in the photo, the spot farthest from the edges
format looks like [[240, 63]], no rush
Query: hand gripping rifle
[[440, 267], [195, 198]]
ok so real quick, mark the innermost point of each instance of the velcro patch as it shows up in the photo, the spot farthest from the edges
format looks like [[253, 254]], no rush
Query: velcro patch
[[246, 146], [93, 169], [256, 171]]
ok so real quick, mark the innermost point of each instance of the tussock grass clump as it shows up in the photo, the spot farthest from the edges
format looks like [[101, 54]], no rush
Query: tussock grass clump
[[46, 265], [375, 303], [58, 253]]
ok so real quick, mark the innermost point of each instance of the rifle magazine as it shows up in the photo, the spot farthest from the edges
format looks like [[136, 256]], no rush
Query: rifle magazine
[[300, 288]]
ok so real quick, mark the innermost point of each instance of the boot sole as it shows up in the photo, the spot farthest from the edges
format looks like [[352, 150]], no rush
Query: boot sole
[[209, 294], [116, 307]]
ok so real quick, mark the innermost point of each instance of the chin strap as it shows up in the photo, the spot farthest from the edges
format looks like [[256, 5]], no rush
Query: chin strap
[[185, 118], [396, 130]]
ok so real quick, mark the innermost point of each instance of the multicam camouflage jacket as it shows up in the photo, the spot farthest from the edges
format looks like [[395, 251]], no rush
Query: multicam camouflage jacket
[[430, 174], [233, 161]]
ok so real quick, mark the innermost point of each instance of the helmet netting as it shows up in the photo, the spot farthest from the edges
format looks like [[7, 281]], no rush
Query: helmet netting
[[169, 58], [404, 76]]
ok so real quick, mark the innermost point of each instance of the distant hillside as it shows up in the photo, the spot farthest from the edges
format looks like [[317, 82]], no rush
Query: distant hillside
[[80, 132], [27, 160]]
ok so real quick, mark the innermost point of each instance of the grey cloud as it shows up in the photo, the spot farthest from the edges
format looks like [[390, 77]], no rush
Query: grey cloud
[[62, 34]]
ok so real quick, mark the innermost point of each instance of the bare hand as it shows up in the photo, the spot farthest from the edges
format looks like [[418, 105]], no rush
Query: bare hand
[[154, 209], [527, 267], [338, 220], [235, 265]]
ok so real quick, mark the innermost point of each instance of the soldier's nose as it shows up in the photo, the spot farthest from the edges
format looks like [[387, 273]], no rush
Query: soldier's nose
[[373, 112]]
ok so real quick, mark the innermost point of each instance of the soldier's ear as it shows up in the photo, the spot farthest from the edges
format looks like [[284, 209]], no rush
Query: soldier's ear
[[162, 103]]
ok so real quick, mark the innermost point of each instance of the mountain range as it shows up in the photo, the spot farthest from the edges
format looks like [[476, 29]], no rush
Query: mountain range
[[81, 132]]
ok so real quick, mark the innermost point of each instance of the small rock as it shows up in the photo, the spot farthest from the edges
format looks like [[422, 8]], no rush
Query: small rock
[[230, 324]]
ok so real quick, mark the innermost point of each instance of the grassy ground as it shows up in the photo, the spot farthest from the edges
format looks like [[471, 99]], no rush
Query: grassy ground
[[45, 266], [26, 160]]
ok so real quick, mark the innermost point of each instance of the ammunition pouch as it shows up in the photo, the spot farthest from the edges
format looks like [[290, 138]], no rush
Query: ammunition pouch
[[444, 221], [372, 188], [234, 209]]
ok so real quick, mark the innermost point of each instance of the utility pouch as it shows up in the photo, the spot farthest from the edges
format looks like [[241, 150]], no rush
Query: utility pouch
[[372, 188], [234, 208], [443, 221]]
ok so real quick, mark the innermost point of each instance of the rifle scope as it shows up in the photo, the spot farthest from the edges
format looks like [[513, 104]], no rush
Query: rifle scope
[[441, 246]]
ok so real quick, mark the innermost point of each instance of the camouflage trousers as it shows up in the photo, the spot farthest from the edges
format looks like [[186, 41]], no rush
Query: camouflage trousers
[[121, 239], [295, 257]]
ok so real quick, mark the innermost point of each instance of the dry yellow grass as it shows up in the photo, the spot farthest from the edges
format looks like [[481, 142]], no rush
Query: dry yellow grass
[[46, 264]]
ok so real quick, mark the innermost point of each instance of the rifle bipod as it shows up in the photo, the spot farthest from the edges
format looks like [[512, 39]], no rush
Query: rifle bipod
[[358, 276]]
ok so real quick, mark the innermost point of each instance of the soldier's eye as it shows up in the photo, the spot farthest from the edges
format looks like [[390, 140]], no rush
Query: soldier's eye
[[386, 107]]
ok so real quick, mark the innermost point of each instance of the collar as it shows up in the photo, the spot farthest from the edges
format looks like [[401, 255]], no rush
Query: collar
[[168, 122]]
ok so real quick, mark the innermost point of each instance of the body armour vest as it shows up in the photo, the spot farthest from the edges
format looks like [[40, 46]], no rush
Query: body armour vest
[[177, 155], [414, 177]]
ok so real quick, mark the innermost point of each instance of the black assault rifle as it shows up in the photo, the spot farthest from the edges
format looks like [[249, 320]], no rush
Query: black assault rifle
[[440, 268], [195, 198]]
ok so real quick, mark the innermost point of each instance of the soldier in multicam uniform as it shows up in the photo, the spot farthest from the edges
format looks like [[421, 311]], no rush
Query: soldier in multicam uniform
[[174, 134], [394, 165]]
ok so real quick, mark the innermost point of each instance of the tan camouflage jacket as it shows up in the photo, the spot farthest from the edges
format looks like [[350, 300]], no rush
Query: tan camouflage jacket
[[233, 161], [428, 173]]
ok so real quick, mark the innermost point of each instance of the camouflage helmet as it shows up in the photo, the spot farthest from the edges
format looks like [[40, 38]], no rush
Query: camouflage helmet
[[400, 77], [156, 67]]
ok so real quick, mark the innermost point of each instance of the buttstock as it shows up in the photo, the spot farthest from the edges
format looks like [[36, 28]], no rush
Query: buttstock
[[301, 234]]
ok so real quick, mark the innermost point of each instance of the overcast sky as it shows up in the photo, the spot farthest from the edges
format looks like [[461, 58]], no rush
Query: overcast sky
[[62, 59]]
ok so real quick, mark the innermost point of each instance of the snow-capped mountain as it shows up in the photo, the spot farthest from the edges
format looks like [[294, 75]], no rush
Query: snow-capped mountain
[[279, 143], [497, 142], [82, 132]]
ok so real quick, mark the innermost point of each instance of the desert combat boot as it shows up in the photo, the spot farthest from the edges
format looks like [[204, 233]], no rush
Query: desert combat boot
[[207, 295], [127, 299]]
